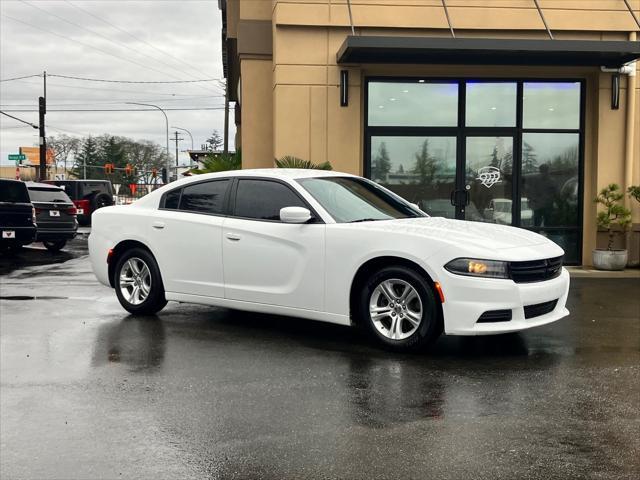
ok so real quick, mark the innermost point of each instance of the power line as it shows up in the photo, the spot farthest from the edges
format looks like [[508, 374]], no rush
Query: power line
[[131, 81], [88, 46], [181, 109], [119, 101], [135, 37], [118, 43], [20, 78], [19, 119], [102, 89]]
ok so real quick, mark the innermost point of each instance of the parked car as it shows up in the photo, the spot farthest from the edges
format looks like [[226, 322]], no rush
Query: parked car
[[499, 211], [55, 215], [87, 195], [17, 215], [326, 246]]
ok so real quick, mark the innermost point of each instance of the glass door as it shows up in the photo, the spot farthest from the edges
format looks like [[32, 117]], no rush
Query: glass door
[[421, 169], [487, 191]]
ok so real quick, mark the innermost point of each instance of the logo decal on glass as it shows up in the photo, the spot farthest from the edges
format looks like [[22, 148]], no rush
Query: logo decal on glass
[[489, 176]]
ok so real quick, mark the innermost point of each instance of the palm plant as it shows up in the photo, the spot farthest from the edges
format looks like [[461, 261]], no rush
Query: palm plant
[[220, 163], [289, 161]]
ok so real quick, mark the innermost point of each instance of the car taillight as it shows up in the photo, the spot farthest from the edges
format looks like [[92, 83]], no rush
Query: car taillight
[[72, 211], [37, 211]]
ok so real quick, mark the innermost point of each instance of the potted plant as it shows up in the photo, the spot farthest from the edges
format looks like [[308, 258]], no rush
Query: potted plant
[[615, 219]]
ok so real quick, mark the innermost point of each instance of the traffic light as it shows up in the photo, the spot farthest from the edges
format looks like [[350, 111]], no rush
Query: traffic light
[[154, 172], [128, 170], [108, 168]]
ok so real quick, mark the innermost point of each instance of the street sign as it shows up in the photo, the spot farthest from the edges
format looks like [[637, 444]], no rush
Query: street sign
[[17, 157]]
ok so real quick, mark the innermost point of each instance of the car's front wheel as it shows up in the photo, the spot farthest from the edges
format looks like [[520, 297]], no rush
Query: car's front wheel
[[138, 283], [398, 308]]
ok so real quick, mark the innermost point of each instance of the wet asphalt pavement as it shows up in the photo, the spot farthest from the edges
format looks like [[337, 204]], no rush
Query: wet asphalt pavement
[[198, 392]]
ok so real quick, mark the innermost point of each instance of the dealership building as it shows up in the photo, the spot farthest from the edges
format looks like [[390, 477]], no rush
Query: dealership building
[[505, 111]]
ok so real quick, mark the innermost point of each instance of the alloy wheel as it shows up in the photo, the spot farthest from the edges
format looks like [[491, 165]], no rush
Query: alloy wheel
[[395, 309], [135, 281]]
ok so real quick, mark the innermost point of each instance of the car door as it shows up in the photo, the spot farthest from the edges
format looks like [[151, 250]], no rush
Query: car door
[[186, 236], [265, 260]]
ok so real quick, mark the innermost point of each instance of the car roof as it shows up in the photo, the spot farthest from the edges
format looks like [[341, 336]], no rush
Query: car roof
[[288, 173], [47, 186]]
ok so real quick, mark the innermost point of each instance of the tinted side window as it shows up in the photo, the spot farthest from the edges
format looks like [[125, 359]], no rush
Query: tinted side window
[[90, 188], [172, 198], [206, 197], [263, 199]]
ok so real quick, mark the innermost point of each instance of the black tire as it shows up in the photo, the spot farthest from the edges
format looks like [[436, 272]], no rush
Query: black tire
[[429, 327], [101, 200], [155, 299], [55, 246]]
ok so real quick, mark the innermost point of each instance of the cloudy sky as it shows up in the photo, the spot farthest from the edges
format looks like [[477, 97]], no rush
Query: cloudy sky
[[124, 40]]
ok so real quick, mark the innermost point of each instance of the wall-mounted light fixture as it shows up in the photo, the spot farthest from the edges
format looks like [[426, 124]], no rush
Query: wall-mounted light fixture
[[615, 91], [344, 88]]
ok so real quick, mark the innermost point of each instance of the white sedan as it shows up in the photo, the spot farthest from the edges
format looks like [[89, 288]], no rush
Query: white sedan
[[326, 246]]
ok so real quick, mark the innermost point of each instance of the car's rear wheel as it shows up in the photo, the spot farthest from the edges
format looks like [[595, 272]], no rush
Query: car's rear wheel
[[398, 308], [138, 283], [55, 246]]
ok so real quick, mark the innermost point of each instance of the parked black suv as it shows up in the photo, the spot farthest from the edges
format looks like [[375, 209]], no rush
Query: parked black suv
[[17, 215], [55, 215], [87, 196]]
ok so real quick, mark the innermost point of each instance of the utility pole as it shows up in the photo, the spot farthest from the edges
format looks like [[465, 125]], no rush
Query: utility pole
[[176, 139], [226, 116], [42, 110]]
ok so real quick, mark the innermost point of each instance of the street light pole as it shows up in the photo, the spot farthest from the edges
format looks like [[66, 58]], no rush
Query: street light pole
[[190, 136], [166, 119]]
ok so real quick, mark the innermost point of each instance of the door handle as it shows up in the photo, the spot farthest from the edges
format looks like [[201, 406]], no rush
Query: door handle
[[158, 225], [233, 237]]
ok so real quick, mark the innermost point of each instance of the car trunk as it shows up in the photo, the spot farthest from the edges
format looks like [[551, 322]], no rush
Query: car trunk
[[54, 209]]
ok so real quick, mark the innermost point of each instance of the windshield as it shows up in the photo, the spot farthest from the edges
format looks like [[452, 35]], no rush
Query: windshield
[[350, 199], [48, 195]]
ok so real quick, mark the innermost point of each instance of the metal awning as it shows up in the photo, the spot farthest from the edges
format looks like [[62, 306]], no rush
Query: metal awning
[[486, 51]]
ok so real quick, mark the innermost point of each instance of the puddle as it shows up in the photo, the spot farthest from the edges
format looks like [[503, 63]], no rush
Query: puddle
[[29, 297]]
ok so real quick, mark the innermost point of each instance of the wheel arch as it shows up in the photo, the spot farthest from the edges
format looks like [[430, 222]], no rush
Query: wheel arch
[[377, 263], [119, 250]]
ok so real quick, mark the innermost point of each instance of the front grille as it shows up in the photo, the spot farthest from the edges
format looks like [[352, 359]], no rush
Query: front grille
[[495, 316], [535, 270], [531, 311]]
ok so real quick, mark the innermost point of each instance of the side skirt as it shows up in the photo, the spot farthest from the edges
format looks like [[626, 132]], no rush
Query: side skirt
[[259, 307]]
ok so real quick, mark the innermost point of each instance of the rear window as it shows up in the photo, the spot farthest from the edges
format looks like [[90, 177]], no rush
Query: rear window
[[48, 195], [13, 192]]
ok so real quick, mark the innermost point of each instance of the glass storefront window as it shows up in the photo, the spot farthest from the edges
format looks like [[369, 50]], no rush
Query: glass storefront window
[[419, 169], [491, 104], [549, 178], [551, 105], [418, 104]]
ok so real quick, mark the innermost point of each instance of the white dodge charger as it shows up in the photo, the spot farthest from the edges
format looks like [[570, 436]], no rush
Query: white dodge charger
[[326, 246]]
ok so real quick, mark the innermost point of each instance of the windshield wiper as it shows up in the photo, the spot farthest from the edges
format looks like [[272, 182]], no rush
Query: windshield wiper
[[366, 220]]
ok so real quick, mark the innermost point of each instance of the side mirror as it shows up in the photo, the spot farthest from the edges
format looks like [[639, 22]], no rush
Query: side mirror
[[295, 215]]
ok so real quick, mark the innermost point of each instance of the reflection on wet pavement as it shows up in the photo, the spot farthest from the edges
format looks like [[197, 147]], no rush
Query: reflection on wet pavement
[[90, 392]]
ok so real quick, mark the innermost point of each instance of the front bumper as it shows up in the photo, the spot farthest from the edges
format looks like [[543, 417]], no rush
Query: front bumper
[[467, 298]]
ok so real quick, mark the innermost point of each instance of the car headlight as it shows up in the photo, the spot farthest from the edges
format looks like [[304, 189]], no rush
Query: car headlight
[[478, 268]]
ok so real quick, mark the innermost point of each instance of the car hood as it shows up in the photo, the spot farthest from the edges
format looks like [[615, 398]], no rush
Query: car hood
[[459, 232]]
